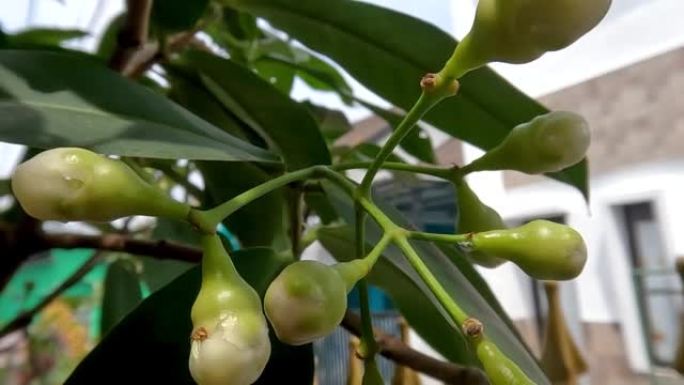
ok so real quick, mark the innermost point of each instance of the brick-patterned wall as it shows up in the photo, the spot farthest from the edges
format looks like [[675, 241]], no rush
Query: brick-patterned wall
[[636, 114]]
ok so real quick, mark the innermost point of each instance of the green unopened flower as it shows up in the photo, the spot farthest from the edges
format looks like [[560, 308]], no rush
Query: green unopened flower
[[543, 249], [230, 344], [547, 143], [70, 184], [308, 299], [519, 31]]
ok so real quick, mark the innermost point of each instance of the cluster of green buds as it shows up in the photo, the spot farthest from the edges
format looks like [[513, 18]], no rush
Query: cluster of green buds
[[230, 337], [543, 249]]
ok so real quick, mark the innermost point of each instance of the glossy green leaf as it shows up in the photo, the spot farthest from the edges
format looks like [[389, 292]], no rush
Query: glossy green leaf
[[50, 99], [151, 345], [43, 37], [332, 123], [279, 77], [457, 279], [177, 15], [157, 273], [188, 91], [315, 72], [288, 126], [389, 52], [122, 294]]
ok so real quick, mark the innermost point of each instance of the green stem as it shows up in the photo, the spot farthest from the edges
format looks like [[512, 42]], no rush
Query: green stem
[[456, 313], [209, 219], [423, 105], [216, 262], [144, 175], [439, 172], [434, 237], [377, 251], [368, 345], [466, 57], [296, 220]]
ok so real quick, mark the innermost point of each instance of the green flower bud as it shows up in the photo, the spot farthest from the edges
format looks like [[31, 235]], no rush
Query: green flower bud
[[547, 143], [308, 299], [70, 184], [543, 249], [230, 343], [500, 369], [475, 216], [519, 31]]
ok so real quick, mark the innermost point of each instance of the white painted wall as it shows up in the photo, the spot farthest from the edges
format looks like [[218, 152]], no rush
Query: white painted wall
[[605, 288]]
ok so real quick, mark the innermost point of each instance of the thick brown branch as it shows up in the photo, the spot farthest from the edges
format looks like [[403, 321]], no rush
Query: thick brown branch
[[26, 316], [395, 350], [133, 34], [118, 242]]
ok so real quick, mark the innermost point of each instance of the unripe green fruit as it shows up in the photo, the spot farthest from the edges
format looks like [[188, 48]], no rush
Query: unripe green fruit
[[547, 143], [230, 343], [500, 369], [519, 31], [70, 184], [475, 216], [543, 249], [308, 299]]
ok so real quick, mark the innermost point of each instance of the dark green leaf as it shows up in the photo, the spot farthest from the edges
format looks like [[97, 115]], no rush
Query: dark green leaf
[[5, 187], [50, 99], [157, 273], [313, 71], [458, 280], [287, 125], [319, 203], [279, 77], [43, 37], [332, 123], [188, 91], [107, 43], [364, 152], [176, 231], [177, 15], [241, 25], [121, 294], [389, 52], [259, 223], [151, 345]]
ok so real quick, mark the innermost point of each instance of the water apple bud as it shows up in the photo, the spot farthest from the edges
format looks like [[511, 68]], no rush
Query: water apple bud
[[69, 184]]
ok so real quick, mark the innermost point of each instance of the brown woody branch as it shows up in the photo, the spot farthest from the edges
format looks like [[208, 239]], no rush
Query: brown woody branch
[[394, 349], [134, 54], [390, 347], [132, 36]]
